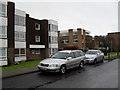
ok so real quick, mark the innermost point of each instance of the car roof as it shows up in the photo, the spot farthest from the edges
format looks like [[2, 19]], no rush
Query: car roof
[[93, 50], [68, 51]]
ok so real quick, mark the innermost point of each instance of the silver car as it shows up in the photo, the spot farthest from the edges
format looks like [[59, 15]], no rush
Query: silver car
[[62, 61], [94, 56]]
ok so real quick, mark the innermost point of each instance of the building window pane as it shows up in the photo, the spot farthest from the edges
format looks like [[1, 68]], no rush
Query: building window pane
[[37, 26], [22, 51], [3, 10], [16, 52], [75, 40], [37, 51], [19, 20], [20, 36], [3, 53], [37, 38], [3, 32], [19, 52], [33, 51]]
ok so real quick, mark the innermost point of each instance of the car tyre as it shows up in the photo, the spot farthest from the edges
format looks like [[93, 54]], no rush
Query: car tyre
[[62, 69], [102, 59], [95, 61], [81, 65]]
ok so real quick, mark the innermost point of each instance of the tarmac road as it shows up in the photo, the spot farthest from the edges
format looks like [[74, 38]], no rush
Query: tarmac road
[[102, 75]]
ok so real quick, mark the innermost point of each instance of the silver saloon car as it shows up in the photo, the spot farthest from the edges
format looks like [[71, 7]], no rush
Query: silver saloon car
[[62, 61], [94, 56]]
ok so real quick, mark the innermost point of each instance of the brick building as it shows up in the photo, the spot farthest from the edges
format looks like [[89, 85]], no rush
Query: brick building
[[113, 41], [74, 38]]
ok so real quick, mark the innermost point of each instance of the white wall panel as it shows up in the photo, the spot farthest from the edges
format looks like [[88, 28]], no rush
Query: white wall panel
[[53, 34], [52, 22], [20, 28], [20, 58], [53, 45], [20, 13], [36, 46], [20, 44], [3, 63]]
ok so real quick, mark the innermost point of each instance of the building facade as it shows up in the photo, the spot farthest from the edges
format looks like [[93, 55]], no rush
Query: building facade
[[3, 33], [113, 41], [73, 38], [23, 37]]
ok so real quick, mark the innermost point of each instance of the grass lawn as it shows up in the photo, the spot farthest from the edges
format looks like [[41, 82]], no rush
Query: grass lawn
[[112, 57], [113, 53], [21, 65]]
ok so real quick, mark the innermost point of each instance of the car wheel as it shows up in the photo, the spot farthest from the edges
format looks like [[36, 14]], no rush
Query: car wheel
[[102, 59], [62, 69], [95, 61], [81, 65]]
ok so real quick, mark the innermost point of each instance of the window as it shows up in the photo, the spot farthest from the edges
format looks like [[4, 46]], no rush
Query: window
[[20, 36], [3, 32], [37, 38], [65, 41], [19, 20], [37, 26], [75, 40], [82, 53], [75, 33], [33, 51], [3, 10], [22, 51], [53, 27], [19, 52], [72, 55], [77, 54], [37, 51], [3, 53]]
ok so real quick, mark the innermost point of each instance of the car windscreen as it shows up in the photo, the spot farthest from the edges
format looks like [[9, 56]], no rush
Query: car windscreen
[[91, 52], [60, 55]]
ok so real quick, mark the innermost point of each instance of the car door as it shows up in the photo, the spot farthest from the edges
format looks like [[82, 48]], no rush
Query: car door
[[78, 58], [82, 56], [99, 55], [70, 62]]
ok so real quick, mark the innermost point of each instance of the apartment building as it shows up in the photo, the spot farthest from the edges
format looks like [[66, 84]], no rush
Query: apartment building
[[74, 38], [89, 42], [3, 33], [23, 37], [113, 41], [41, 38]]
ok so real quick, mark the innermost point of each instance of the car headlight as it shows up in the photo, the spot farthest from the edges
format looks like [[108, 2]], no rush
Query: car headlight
[[54, 65]]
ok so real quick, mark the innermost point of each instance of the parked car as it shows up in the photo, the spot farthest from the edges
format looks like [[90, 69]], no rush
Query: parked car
[[62, 61], [94, 56]]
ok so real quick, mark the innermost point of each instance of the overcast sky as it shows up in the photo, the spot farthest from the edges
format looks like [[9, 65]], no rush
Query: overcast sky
[[98, 16]]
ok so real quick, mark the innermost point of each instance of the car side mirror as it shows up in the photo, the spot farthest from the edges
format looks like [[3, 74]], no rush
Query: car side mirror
[[98, 53], [69, 58]]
